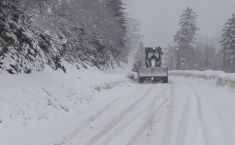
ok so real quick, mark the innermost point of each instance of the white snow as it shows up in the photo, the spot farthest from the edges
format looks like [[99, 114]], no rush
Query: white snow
[[42, 107], [221, 78], [90, 107]]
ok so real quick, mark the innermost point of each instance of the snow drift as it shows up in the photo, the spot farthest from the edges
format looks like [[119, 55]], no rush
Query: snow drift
[[221, 78]]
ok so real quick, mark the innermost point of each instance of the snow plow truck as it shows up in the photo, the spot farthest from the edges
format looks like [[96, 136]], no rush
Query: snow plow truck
[[152, 69]]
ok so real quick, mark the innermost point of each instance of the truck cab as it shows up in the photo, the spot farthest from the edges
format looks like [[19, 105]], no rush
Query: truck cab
[[153, 69]]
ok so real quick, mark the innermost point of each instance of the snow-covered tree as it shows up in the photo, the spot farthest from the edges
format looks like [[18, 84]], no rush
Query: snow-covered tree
[[82, 32], [228, 43], [185, 38], [116, 9], [205, 53], [134, 41], [19, 51]]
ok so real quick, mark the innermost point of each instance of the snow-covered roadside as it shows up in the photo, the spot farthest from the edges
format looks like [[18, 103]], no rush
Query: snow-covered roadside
[[41, 108], [221, 78]]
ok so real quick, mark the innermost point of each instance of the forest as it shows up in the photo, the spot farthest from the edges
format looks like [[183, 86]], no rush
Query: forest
[[36, 34], [40, 33]]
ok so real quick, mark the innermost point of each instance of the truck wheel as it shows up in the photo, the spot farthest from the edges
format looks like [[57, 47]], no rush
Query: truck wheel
[[141, 80], [155, 79], [165, 80]]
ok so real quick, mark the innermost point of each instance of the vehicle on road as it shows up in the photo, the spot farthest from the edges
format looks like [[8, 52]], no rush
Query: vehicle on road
[[152, 70]]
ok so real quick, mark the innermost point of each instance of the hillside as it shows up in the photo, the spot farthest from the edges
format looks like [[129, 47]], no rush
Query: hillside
[[39, 34]]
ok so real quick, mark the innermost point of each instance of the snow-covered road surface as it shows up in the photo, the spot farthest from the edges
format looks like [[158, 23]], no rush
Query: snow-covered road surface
[[184, 112], [97, 108]]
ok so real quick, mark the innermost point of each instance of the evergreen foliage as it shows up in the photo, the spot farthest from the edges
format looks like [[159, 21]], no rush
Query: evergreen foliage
[[185, 38], [228, 43]]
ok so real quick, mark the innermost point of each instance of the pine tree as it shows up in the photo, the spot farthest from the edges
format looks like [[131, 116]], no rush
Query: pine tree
[[228, 43], [116, 8], [185, 38]]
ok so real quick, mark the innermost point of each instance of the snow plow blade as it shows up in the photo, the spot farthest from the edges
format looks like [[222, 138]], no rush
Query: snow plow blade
[[153, 73]]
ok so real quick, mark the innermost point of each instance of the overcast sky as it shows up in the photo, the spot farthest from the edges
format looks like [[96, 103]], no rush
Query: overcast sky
[[159, 18]]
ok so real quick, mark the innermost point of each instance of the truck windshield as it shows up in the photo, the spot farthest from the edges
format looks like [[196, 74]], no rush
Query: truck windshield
[[155, 55]]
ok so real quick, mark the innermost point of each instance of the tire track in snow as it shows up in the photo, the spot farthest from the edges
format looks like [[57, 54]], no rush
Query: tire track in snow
[[167, 133], [178, 117], [223, 103], [200, 114], [182, 130], [152, 113], [220, 124], [208, 122], [117, 119], [85, 124]]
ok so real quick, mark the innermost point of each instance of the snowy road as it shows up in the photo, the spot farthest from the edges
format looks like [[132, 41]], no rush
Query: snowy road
[[183, 112]]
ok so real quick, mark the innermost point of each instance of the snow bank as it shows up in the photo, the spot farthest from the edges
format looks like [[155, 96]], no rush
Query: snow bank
[[221, 78], [41, 107]]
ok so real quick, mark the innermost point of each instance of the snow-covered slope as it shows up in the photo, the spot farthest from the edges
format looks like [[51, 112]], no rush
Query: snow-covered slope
[[37, 34], [42, 106], [22, 50]]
